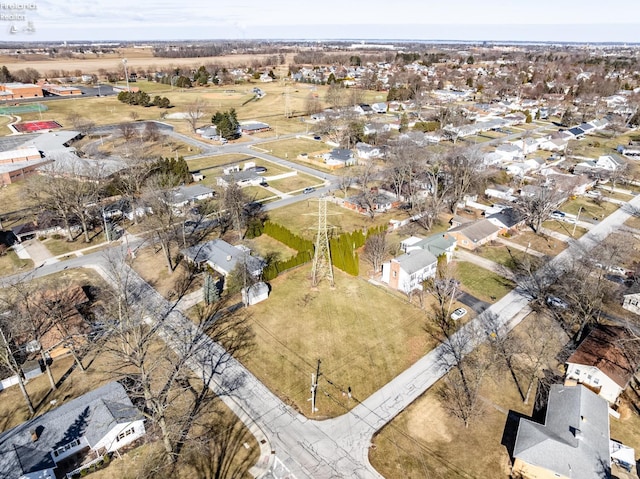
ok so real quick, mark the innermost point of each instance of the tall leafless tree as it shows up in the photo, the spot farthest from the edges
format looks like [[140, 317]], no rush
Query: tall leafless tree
[[376, 249]]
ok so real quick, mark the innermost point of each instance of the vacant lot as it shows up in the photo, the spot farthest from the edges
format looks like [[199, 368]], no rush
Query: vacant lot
[[217, 161], [295, 183], [290, 149], [589, 208], [363, 335]]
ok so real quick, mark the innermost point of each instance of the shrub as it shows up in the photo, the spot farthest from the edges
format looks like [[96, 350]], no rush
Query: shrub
[[84, 472]]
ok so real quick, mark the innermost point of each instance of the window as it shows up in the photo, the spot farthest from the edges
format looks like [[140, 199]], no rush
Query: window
[[596, 381], [66, 447], [126, 433], [394, 274], [576, 371]]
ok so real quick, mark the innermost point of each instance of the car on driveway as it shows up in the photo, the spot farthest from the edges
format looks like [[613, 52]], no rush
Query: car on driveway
[[618, 270], [458, 313]]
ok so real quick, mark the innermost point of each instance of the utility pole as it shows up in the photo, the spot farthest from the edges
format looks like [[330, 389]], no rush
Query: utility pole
[[322, 267], [126, 75], [314, 388]]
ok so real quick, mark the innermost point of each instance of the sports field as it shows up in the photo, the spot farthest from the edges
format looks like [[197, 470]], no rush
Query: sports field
[[32, 126]]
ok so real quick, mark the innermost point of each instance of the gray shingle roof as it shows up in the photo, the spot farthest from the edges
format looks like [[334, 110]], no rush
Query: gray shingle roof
[[222, 256], [415, 260], [437, 244], [92, 415], [476, 231], [574, 441]]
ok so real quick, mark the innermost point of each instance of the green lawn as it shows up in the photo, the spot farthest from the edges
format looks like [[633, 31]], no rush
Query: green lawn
[[500, 254], [256, 193], [363, 335], [539, 242], [481, 283]]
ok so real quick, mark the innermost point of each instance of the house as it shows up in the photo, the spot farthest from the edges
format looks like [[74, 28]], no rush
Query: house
[[249, 128], [339, 158], [576, 131], [474, 234], [249, 177], [407, 272], [609, 162], [367, 152], [374, 201], [437, 245], [103, 420], [184, 195], [223, 257], [572, 443], [604, 362], [505, 219], [379, 107], [631, 302]]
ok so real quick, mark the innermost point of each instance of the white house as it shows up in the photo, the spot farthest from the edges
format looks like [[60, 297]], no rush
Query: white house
[[407, 272], [604, 362], [609, 163], [101, 421], [339, 157], [223, 257], [184, 195], [366, 151], [631, 302]]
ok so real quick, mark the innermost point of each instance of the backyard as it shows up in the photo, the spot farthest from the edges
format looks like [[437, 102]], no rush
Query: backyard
[[363, 335]]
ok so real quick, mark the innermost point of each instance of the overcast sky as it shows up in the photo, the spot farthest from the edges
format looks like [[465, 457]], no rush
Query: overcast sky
[[518, 20]]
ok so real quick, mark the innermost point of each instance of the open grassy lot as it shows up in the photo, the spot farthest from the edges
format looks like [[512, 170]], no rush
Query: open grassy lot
[[58, 244], [12, 200], [564, 228], [500, 254], [11, 264], [217, 161], [290, 149], [302, 218], [267, 247], [363, 335], [479, 282], [166, 146], [294, 183], [426, 441], [257, 193], [589, 208], [539, 242]]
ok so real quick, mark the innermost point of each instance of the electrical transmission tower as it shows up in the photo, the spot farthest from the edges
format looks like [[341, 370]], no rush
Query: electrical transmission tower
[[322, 267], [287, 103]]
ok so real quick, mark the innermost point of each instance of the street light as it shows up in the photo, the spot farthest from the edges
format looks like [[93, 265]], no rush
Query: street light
[[126, 75]]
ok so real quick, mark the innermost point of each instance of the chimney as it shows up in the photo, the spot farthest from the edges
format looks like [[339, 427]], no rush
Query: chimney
[[34, 435]]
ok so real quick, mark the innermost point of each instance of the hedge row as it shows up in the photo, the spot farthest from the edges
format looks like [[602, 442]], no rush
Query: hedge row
[[282, 234], [277, 267]]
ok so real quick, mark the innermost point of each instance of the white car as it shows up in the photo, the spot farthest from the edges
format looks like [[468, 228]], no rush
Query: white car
[[458, 313], [618, 270], [557, 302]]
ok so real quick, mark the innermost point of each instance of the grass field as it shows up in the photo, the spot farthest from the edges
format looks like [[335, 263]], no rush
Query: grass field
[[217, 161], [11, 264], [257, 193], [267, 247], [290, 149], [363, 335], [633, 222], [589, 208], [481, 283], [500, 254], [538, 242], [564, 228], [295, 183]]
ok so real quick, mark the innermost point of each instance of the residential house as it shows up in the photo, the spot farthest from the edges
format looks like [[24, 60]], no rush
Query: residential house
[[374, 201], [509, 151], [572, 443], [438, 245], [474, 234], [500, 191], [186, 195], [249, 128], [50, 445], [363, 109], [249, 177], [631, 302], [609, 162], [576, 131], [223, 257], [506, 219], [407, 272], [367, 152], [339, 158], [553, 144], [605, 361], [379, 107]]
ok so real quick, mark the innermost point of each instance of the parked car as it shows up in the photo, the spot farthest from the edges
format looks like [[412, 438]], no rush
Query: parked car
[[618, 270], [569, 220], [556, 302], [458, 313], [557, 215], [317, 137], [309, 189]]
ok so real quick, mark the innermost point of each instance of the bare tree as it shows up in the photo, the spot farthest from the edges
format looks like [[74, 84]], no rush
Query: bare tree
[[463, 169], [376, 250], [80, 123], [9, 361], [335, 96], [156, 351], [536, 207], [195, 111], [127, 131], [234, 201]]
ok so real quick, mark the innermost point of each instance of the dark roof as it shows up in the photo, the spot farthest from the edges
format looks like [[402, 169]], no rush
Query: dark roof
[[341, 154], [607, 348], [576, 131], [574, 440], [92, 415]]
